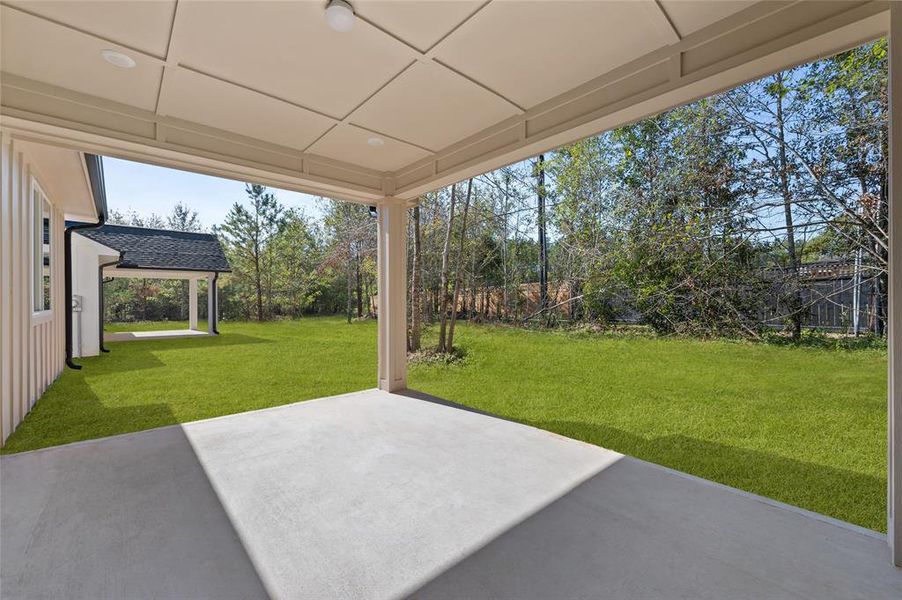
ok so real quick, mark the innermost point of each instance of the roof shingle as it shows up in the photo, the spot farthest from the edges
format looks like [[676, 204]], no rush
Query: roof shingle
[[162, 249]]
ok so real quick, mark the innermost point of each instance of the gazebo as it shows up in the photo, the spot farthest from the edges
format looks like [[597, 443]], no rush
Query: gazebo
[[121, 251]]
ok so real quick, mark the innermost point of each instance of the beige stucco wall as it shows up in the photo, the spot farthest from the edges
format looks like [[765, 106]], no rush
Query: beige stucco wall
[[32, 346]]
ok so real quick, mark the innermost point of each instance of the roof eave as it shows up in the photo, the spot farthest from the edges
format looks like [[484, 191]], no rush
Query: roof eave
[[96, 180]]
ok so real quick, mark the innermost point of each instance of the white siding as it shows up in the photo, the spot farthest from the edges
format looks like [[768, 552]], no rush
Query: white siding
[[87, 256], [32, 347]]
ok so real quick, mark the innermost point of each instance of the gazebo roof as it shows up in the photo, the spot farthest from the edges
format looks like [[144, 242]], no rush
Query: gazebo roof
[[161, 249]]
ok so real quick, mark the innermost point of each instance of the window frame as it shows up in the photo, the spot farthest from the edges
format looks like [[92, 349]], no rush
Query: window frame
[[39, 311]]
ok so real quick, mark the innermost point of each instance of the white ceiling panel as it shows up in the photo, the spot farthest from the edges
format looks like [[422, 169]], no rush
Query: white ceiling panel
[[37, 49], [239, 110], [140, 25], [286, 49], [532, 51], [420, 24], [351, 144], [432, 107], [691, 15]]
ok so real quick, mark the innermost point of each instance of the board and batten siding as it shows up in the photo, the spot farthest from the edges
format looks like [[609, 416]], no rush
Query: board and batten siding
[[32, 345]]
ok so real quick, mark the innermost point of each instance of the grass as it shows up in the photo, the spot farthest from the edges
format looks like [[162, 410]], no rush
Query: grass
[[805, 426], [150, 383]]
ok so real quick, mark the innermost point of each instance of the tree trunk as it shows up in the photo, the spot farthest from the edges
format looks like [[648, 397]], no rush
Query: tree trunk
[[460, 258], [795, 291], [359, 287], [416, 300], [473, 310], [543, 242], [446, 251], [881, 282], [504, 257]]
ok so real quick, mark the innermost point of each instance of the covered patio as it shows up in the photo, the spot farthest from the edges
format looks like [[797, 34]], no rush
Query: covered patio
[[383, 493], [417, 498]]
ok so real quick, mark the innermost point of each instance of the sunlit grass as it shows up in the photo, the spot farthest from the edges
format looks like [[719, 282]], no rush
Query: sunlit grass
[[803, 425]]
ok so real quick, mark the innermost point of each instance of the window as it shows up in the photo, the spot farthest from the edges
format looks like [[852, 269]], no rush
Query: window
[[41, 254]]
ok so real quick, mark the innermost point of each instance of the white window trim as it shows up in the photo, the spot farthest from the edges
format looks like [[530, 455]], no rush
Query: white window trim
[[44, 315]]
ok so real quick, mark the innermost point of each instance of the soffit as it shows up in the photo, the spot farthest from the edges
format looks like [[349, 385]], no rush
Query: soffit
[[38, 49], [532, 51], [137, 24], [688, 16], [270, 88], [62, 175]]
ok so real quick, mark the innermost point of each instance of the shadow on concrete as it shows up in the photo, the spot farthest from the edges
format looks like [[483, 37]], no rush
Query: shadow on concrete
[[637, 531], [418, 395], [123, 517]]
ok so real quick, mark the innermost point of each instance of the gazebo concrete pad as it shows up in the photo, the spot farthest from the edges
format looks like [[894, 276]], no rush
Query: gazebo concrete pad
[[377, 495], [126, 336]]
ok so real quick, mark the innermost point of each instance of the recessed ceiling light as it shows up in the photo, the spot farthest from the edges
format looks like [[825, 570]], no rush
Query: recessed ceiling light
[[375, 142], [340, 15], [118, 59]]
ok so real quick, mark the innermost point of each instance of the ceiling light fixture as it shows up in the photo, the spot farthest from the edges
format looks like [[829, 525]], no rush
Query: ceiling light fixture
[[340, 15], [123, 61], [375, 142]]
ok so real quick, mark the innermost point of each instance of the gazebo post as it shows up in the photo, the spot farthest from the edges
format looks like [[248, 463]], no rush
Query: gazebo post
[[894, 329], [192, 303], [392, 294], [212, 304]]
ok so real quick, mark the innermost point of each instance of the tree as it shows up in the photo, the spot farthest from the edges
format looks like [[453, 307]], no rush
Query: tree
[[297, 258], [543, 241], [449, 346], [247, 233], [350, 250], [416, 288], [182, 218], [446, 266]]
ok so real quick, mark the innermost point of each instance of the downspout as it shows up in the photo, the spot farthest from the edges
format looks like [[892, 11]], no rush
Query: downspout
[[95, 175], [215, 292], [101, 304]]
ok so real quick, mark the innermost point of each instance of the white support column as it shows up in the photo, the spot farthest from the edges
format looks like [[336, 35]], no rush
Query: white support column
[[894, 308], [192, 303], [392, 306]]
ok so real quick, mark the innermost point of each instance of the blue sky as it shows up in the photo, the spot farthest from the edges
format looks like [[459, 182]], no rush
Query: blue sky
[[147, 189]]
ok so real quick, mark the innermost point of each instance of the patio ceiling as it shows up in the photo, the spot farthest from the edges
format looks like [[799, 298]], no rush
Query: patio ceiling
[[267, 91]]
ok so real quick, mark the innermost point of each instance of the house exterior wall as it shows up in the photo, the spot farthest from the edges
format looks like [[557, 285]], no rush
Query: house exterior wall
[[87, 255], [32, 344]]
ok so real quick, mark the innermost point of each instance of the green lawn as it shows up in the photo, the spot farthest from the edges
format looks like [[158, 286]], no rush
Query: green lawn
[[805, 426]]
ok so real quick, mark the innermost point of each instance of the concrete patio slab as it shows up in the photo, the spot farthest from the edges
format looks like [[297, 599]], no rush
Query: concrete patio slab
[[126, 336], [377, 495]]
